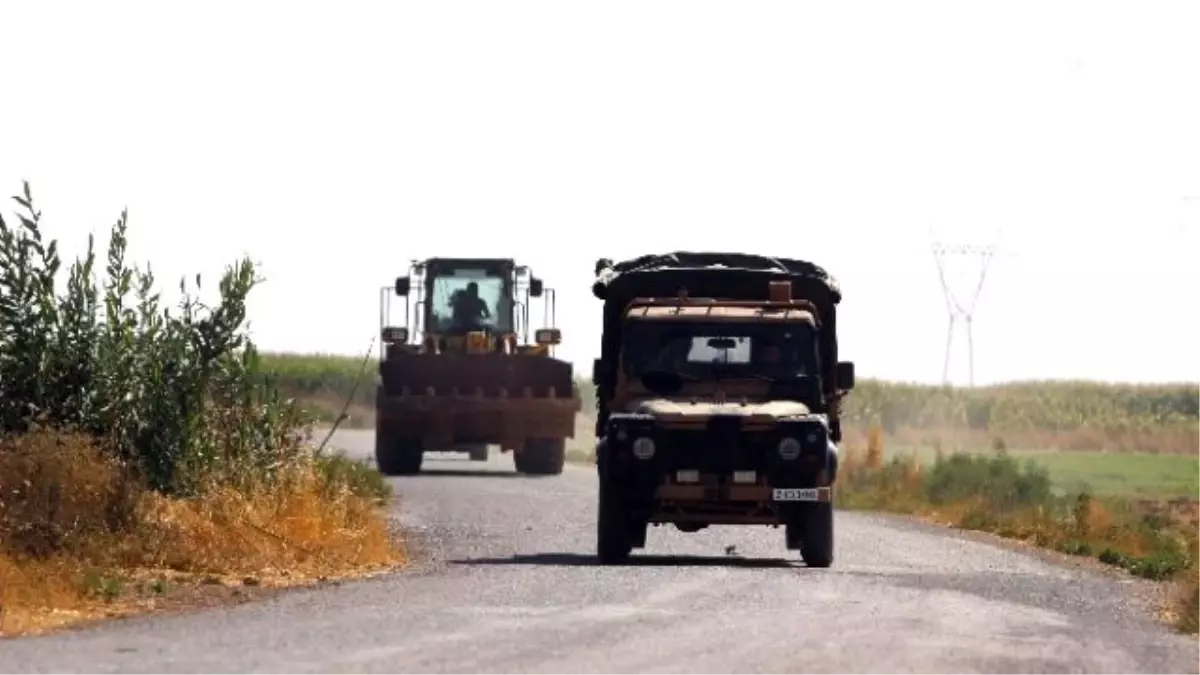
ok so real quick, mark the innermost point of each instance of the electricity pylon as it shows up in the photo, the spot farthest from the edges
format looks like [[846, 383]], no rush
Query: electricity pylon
[[954, 308]]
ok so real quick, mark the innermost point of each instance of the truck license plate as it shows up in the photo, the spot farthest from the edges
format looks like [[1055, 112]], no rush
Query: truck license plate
[[797, 495]]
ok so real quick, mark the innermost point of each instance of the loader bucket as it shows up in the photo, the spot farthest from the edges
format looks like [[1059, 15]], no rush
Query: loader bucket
[[503, 399]]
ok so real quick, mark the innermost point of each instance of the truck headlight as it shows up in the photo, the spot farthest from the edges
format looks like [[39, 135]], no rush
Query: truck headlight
[[643, 447], [789, 448]]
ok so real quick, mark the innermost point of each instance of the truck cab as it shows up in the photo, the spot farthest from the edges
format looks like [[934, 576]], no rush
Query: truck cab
[[718, 410]]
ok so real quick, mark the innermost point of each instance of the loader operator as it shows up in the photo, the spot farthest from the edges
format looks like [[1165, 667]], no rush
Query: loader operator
[[468, 309]]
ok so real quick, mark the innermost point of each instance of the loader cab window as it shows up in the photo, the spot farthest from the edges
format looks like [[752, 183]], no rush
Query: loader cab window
[[463, 299]]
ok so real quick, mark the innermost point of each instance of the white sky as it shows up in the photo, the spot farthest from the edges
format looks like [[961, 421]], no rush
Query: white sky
[[334, 142]]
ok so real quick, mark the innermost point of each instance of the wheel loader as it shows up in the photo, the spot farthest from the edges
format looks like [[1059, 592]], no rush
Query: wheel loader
[[461, 373]]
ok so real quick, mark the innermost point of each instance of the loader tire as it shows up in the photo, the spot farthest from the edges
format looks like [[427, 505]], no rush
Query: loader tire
[[541, 457], [398, 456], [477, 452]]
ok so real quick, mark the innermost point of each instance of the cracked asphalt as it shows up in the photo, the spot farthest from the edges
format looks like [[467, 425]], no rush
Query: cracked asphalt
[[505, 582]]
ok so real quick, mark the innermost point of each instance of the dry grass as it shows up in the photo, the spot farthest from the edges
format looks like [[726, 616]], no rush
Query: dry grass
[[1187, 601], [326, 407], [81, 538]]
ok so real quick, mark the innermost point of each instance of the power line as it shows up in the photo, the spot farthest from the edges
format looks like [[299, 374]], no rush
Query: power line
[[1188, 200], [955, 309]]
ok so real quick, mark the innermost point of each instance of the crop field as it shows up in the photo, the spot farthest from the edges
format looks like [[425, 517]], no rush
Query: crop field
[[1069, 416], [1138, 441]]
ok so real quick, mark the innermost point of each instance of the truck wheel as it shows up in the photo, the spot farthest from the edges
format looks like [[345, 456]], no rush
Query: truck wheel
[[542, 457], [613, 532], [478, 452], [813, 532], [398, 456]]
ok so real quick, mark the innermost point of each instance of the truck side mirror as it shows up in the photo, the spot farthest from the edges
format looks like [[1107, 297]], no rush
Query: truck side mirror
[[535, 287], [597, 370], [402, 286], [845, 375]]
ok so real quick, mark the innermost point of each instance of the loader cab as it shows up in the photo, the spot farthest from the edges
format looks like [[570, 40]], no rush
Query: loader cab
[[469, 295], [469, 304]]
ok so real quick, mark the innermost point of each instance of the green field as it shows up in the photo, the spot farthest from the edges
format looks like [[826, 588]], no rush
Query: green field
[[1131, 475], [1126, 474]]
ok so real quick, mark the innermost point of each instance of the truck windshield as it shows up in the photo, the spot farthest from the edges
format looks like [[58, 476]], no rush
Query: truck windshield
[[468, 298], [720, 349]]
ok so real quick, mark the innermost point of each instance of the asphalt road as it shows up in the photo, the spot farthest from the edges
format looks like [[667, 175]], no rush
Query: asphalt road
[[509, 585]]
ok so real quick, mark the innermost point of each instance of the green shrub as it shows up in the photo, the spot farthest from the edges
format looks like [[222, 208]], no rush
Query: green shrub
[[177, 392], [999, 480]]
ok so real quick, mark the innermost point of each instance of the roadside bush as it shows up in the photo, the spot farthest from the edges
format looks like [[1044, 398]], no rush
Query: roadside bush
[[1000, 481], [139, 435], [177, 391]]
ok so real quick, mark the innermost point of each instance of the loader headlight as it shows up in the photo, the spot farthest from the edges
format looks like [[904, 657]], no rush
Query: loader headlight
[[394, 335], [789, 448], [643, 447]]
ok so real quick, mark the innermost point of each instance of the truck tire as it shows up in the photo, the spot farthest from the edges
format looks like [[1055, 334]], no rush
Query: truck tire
[[398, 456], [813, 532], [613, 533], [541, 457]]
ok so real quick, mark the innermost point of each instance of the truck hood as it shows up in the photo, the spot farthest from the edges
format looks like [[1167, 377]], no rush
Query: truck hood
[[700, 408]]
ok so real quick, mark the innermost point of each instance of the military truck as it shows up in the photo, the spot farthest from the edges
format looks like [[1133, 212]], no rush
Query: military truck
[[718, 393], [461, 374]]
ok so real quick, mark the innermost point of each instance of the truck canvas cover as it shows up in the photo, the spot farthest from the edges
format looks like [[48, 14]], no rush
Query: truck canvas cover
[[738, 276], [733, 276]]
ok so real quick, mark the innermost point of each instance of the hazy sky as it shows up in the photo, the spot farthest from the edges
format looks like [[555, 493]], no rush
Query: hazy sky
[[334, 142]]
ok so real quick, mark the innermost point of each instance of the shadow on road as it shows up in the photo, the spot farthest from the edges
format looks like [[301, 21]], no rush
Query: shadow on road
[[468, 473], [635, 560]]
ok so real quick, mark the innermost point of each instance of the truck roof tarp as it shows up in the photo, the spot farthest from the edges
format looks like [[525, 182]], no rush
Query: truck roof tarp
[[728, 275], [737, 276]]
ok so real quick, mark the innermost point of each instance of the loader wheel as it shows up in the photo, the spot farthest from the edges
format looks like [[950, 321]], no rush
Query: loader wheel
[[541, 457], [614, 540], [812, 532], [398, 456]]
